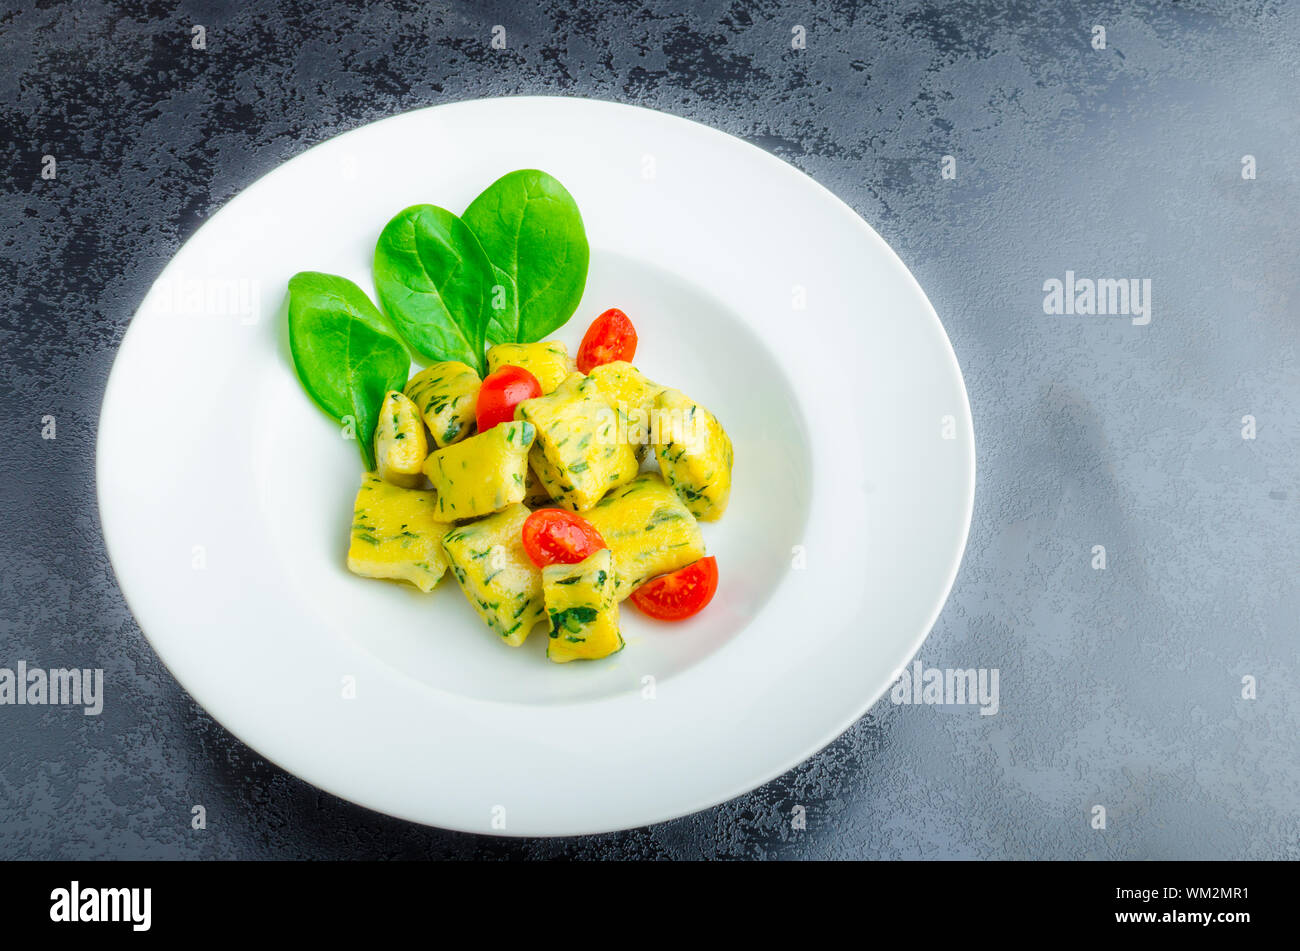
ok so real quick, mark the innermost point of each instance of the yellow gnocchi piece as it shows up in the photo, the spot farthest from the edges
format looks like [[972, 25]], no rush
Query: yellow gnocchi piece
[[582, 607], [548, 361], [482, 474], [578, 455], [395, 534], [648, 528], [400, 442], [445, 394], [489, 563], [632, 396], [535, 494], [695, 454]]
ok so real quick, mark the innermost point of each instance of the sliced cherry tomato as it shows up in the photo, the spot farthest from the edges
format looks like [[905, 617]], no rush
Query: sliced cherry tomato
[[501, 392], [680, 594], [610, 337], [559, 537]]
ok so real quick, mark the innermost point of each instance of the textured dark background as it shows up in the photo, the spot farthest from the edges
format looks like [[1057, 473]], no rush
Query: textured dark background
[[1118, 687]]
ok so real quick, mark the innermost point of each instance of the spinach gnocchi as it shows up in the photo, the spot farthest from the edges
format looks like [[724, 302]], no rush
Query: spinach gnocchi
[[488, 561], [400, 442], [648, 528], [482, 474], [578, 456], [504, 459], [396, 534], [582, 608], [548, 361], [694, 454], [445, 394], [535, 498]]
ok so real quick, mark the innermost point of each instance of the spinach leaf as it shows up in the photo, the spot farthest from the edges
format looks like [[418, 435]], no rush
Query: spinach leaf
[[531, 230], [346, 355], [435, 283]]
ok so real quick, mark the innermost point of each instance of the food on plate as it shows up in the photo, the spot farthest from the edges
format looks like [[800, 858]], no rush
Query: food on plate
[[505, 460], [633, 398], [694, 453], [531, 230], [649, 530], [680, 594], [396, 534], [482, 474], [548, 361], [446, 394], [400, 443], [578, 455], [582, 608], [610, 337], [535, 494], [559, 537], [488, 561], [344, 352], [435, 284], [502, 390]]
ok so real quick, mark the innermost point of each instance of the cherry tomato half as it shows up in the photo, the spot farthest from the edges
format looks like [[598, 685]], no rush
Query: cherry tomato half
[[559, 537], [610, 337], [501, 392], [681, 594]]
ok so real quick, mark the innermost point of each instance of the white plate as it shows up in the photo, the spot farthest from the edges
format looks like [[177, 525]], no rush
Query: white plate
[[226, 496]]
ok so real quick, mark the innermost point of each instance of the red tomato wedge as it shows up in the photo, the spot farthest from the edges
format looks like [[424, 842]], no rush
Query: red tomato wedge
[[610, 337], [680, 594], [559, 537], [501, 392]]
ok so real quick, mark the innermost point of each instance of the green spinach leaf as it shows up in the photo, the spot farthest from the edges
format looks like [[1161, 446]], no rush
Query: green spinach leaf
[[346, 355], [532, 232], [435, 283]]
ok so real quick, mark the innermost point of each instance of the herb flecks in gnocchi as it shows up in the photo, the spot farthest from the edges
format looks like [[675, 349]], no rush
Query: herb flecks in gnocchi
[[445, 394], [578, 454], [694, 452], [535, 494], [648, 528], [582, 607], [400, 442], [489, 563], [520, 427], [549, 361], [396, 535], [482, 474], [632, 396]]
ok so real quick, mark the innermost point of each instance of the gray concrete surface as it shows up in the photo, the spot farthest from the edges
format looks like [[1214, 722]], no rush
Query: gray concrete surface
[[1120, 688]]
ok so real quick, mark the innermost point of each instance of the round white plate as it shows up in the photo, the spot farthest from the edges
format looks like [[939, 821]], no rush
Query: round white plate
[[226, 495]]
